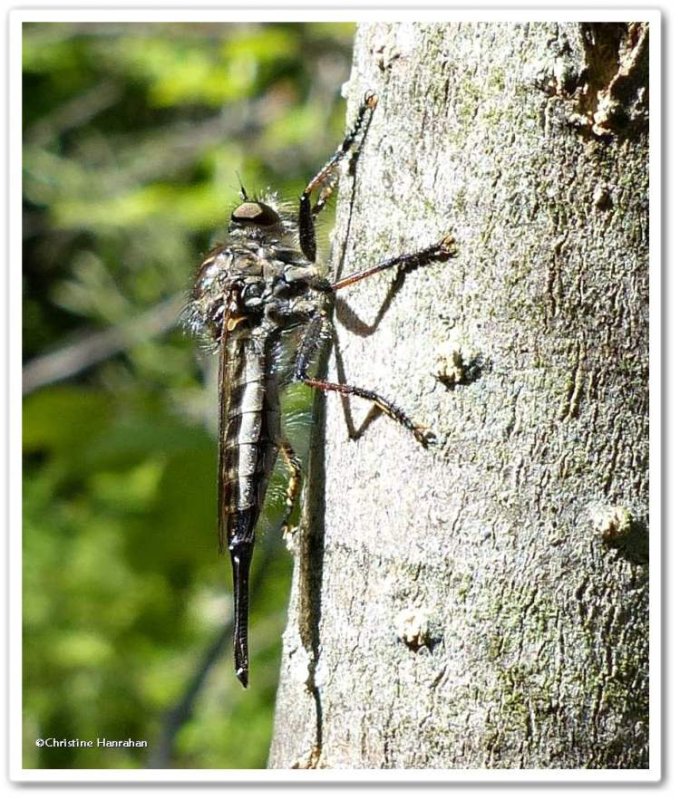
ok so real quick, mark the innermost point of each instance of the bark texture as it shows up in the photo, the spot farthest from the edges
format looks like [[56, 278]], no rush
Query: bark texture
[[483, 603]]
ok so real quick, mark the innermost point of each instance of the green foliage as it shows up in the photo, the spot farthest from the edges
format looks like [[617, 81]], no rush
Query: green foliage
[[132, 138]]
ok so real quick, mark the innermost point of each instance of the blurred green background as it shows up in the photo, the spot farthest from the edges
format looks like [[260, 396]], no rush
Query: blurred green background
[[133, 134]]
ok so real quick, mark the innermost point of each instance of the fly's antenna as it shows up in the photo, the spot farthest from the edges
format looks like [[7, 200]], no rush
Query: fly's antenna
[[243, 193]]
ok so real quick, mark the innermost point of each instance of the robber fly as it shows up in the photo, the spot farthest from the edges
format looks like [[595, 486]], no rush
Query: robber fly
[[249, 294]]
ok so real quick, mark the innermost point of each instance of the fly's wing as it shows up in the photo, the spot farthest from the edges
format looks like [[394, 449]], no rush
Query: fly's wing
[[236, 525], [228, 388], [224, 486]]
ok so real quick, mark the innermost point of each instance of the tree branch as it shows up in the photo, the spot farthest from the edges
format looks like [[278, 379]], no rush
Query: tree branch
[[92, 348]]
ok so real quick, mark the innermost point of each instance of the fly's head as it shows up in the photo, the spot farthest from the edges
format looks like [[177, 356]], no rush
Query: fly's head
[[264, 220], [256, 218]]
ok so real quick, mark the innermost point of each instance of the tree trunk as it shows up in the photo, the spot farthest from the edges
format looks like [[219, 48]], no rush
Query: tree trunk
[[483, 603]]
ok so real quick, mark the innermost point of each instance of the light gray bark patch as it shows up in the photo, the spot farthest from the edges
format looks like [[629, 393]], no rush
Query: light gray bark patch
[[542, 660]]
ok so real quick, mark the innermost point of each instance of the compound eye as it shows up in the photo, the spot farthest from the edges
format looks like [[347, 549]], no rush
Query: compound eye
[[255, 214]]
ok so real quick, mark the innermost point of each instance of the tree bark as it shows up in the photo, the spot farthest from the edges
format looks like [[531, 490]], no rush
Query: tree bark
[[483, 603]]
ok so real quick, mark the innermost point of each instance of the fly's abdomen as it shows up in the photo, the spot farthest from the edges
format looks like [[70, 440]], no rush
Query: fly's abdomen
[[249, 431], [250, 434]]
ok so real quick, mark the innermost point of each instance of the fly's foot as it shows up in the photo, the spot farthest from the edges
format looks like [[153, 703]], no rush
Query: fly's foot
[[371, 99], [424, 435], [311, 760], [448, 245]]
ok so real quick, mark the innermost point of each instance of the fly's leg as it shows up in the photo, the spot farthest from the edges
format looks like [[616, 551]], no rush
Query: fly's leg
[[327, 177], [422, 434], [441, 251], [316, 329], [293, 489], [318, 326]]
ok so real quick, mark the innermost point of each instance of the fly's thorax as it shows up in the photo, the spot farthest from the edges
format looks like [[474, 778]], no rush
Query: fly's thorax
[[254, 282], [225, 266], [230, 282]]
